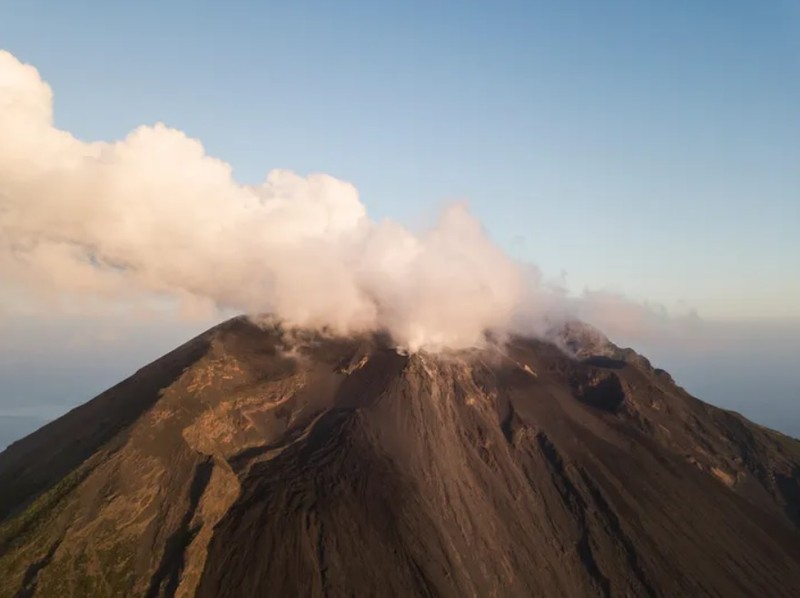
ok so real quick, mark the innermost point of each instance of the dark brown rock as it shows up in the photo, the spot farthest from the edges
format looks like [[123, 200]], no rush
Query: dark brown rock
[[251, 462]]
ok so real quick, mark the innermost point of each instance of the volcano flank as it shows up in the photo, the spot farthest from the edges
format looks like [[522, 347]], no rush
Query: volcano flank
[[258, 461]]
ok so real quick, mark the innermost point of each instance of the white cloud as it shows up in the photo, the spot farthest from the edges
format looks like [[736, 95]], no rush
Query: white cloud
[[153, 219], [154, 215]]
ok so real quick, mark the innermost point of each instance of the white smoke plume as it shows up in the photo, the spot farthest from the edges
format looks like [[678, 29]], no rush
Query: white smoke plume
[[154, 216]]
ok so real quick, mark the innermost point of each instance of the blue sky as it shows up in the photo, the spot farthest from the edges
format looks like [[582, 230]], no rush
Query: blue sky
[[646, 148]]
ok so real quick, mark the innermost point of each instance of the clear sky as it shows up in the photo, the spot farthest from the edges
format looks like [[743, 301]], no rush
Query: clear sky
[[646, 148], [641, 147]]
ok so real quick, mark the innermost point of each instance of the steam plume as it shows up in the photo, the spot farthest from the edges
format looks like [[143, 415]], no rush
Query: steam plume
[[154, 216]]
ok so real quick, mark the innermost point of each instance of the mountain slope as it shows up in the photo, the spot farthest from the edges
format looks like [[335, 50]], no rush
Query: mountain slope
[[251, 461]]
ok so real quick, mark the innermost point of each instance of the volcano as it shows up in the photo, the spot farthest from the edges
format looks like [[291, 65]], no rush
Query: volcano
[[260, 461]]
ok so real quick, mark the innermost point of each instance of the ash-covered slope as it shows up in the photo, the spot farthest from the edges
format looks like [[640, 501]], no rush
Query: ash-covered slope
[[247, 463]]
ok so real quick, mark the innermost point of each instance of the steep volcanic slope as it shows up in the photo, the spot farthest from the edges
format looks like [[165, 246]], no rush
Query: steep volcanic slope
[[249, 463]]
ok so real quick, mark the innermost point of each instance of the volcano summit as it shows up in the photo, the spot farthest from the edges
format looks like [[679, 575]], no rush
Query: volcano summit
[[254, 461]]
